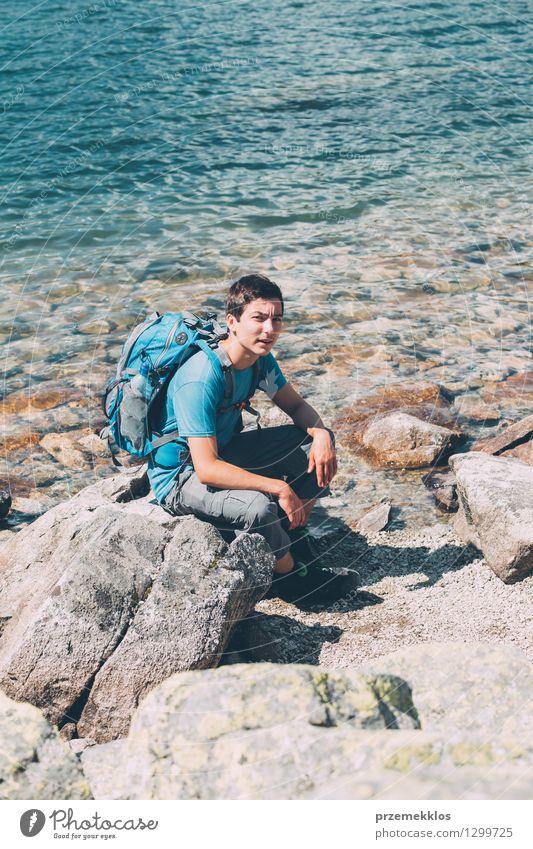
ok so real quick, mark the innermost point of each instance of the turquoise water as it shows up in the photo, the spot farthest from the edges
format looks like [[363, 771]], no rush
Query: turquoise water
[[373, 158]]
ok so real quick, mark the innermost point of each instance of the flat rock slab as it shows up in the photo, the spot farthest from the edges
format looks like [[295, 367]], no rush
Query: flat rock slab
[[466, 687], [496, 498], [298, 732], [510, 437], [105, 596], [34, 761], [376, 519]]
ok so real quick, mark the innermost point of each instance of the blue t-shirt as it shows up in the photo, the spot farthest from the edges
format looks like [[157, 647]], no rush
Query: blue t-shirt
[[194, 394]]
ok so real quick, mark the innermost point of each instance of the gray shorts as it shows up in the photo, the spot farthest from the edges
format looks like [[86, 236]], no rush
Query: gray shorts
[[275, 452]]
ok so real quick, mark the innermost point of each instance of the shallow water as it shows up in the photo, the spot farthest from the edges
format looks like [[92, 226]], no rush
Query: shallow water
[[374, 159]]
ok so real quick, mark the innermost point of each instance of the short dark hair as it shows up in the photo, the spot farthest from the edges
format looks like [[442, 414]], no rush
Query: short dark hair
[[249, 288]]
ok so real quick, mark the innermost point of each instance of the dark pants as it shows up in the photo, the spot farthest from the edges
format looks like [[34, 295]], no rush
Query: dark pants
[[275, 452]]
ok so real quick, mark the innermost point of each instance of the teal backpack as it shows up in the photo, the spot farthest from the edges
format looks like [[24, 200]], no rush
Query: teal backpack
[[151, 355]]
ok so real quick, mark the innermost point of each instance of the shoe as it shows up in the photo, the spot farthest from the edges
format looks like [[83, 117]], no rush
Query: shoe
[[309, 582], [302, 548]]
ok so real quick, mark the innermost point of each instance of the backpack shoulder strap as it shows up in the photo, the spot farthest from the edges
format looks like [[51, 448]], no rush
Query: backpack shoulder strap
[[218, 356]]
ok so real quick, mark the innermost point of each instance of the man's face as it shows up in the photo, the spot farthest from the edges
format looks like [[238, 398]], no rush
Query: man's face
[[259, 326]]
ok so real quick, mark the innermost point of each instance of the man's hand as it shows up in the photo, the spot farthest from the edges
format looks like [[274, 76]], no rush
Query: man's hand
[[322, 457], [292, 505]]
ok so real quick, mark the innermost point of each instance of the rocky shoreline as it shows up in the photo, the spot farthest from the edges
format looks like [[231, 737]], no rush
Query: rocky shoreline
[[119, 623]]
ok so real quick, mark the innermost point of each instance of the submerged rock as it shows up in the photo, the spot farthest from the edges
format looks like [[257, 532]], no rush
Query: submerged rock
[[30, 399], [400, 425], [401, 441], [78, 449], [515, 391], [496, 511], [471, 406], [444, 489]]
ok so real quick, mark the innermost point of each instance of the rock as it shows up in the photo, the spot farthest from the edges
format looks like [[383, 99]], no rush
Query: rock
[[62, 620], [5, 503], [34, 762], [20, 442], [161, 594], [101, 766], [376, 519], [80, 744], [401, 441], [496, 495], [521, 452], [222, 588], [471, 406], [464, 530], [358, 426], [92, 443], [76, 449], [97, 327], [516, 391], [62, 448], [29, 400], [517, 436], [208, 724], [298, 732], [443, 487], [68, 731], [33, 506], [422, 399], [464, 687]]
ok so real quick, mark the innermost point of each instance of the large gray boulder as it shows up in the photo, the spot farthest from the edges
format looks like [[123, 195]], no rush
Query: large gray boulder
[[105, 596], [201, 591], [34, 761], [269, 731], [193, 736], [496, 511]]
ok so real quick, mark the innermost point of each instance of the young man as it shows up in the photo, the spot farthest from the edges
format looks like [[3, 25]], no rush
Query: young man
[[262, 481]]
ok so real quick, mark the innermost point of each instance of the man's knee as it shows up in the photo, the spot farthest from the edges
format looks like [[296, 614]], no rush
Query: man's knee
[[261, 512]]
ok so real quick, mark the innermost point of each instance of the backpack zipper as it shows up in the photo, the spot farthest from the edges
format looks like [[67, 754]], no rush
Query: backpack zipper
[[167, 344]]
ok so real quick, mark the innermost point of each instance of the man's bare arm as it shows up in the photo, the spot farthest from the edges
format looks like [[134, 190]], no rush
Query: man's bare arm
[[303, 414], [322, 456], [215, 472]]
